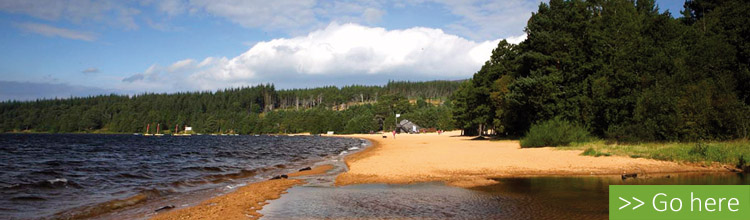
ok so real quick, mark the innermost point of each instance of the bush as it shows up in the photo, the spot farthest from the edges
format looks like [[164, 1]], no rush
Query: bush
[[555, 132], [592, 152]]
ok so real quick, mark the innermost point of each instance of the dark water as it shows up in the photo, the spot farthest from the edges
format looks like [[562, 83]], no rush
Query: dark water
[[515, 198], [69, 175]]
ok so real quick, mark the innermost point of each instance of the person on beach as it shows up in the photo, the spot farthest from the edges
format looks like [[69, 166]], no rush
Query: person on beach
[[394, 134]]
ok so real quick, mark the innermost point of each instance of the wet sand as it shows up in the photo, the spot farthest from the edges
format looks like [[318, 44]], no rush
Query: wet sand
[[243, 203], [460, 161]]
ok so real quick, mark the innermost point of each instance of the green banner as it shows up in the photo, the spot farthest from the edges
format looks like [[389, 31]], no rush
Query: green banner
[[679, 202]]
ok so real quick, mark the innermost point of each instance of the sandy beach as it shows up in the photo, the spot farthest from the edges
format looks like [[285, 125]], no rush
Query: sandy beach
[[414, 158], [460, 161]]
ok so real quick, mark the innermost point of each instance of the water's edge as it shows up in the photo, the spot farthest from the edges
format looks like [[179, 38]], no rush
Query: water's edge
[[146, 207]]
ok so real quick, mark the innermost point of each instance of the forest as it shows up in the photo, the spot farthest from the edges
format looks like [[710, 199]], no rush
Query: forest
[[620, 69], [249, 110]]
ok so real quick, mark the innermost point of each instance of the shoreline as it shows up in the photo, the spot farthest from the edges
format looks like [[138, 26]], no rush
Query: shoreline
[[322, 172], [245, 202], [383, 162], [462, 162]]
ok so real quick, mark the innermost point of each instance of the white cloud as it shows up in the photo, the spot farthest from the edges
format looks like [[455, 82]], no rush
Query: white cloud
[[111, 12], [477, 19], [180, 65], [51, 31], [172, 7], [277, 14], [516, 39], [486, 19], [347, 52], [372, 15], [291, 16]]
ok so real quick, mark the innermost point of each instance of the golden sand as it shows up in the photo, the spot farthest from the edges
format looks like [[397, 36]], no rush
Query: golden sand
[[243, 203], [463, 162], [412, 158]]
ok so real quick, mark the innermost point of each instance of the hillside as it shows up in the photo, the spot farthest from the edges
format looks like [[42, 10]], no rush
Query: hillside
[[257, 109]]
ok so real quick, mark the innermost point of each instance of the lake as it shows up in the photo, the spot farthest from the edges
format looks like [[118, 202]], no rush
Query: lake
[[80, 175]]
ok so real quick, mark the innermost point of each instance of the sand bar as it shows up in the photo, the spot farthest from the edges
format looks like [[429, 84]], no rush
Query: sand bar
[[460, 161]]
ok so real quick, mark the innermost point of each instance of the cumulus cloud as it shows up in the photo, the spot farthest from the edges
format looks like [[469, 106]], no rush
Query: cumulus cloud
[[179, 65], [340, 53], [516, 39], [51, 31]]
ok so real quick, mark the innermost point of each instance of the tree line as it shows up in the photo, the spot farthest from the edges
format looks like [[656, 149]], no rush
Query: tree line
[[621, 69], [257, 109]]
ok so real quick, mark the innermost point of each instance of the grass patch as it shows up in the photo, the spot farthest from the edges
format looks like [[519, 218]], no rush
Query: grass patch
[[735, 153], [592, 152], [555, 132]]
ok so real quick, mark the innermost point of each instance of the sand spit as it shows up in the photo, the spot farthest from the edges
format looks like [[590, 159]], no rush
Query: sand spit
[[459, 161]]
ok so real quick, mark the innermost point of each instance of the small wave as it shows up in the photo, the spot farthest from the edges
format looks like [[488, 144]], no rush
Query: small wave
[[354, 148], [109, 206], [202, 168], [45, 184], [343, 152], [58, 181], [218, 178], [236, 185]]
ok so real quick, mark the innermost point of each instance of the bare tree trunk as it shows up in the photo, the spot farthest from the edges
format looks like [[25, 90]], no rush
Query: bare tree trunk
[[481, 129]]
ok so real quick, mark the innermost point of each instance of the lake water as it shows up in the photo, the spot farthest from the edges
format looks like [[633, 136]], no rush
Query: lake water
[[78, 175], [511, 198]]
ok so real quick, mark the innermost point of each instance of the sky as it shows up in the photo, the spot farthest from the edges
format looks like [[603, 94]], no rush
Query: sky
[[64, 48]]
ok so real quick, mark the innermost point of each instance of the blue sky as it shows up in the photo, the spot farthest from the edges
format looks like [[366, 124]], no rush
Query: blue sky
[[60, 48]]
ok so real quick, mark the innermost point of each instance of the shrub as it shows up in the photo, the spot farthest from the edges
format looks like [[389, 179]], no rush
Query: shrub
[[592, 152], [555, 132]]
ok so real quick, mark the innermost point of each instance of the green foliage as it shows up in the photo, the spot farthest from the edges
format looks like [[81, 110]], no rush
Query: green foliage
[[555, 132], [258, 109], [727, 152], [622, 69], [593, 152]]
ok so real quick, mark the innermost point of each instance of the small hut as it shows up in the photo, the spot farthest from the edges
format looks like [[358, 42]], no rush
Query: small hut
[[408, 127]]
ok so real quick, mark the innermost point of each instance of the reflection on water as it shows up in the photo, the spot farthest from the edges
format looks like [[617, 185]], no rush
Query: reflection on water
[[511, 198]]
